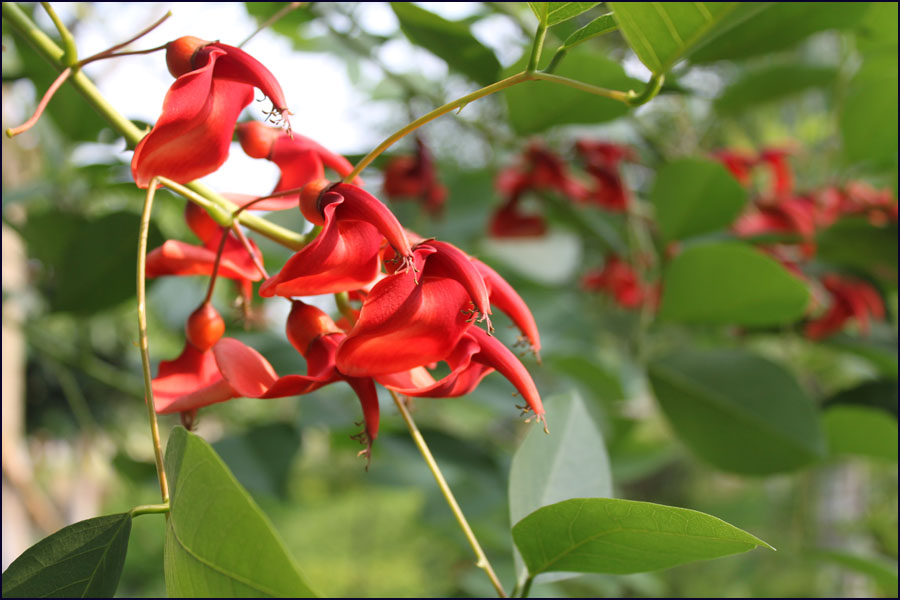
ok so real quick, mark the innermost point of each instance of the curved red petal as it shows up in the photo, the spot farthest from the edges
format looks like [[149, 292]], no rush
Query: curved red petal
[[237, 65], [494, 354], [190, 381], [464, 376], [193, 134], [362, 206], [344, 256], [449, 261], [504, 297], [403, 324], [180, 258], [245, 369]]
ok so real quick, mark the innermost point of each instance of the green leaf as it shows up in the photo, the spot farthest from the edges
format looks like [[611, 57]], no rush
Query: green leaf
[[877, 32], [694, 196], [874, 394], [601, 535], [83, 560], [557, 12], [599, 26], [780, 25], [868, 114], [662, 33], [571, 462], [540, 11], [730, 282], [218, 542], [882, 571], [861, 430], [535, 106], [89, 263], [771, 83], [449, 40], [855, 243], [738, 411]]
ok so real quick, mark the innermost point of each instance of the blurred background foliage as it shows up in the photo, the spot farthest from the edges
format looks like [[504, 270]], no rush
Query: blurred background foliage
[[820, 78]]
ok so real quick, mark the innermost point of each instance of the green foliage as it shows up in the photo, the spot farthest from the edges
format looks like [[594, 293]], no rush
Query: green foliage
[[536, 106], [737, 411], [861, 430], [854, 243], [868, 116], [83, 560], [88, 262], [729, 282], [662, 33], [693, 196], [218, 541], [553, 13], [603, 535], [771, 84], [780, 25], [449, 40], [599, 26]]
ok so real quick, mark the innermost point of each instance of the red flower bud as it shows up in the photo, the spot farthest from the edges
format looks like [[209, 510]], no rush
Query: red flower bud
[[204, 327]]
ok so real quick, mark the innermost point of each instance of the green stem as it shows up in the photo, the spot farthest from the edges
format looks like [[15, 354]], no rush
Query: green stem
[[536, 48], [144, 344], [459, 103], [650, 92], [557, 57], [526, 589], [149, 509], [580, 85], [342, 299], [70, 52], [482, 562]]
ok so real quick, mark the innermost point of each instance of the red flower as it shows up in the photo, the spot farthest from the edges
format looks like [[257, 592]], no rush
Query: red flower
[[850, 299], [740, 164], [475, 355], [415, 177], [857, 198], [782, 176], [508, 221], [179, 258], [193, 134], [415, 318], [602, 163], [619, 279], [300, 160], [345, 255]]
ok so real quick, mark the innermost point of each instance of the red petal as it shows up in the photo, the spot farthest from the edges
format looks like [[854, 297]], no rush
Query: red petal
[[179, 258], [190, 381], [344, 256], [494, 354], [464, 376], [245, 369], [237, 65], [193, 134], [403, 325], [504, 297], [449, 261], [362, 206]]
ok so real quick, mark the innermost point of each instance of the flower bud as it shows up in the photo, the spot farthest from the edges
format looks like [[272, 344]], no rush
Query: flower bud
[[180, 54], [309, 201], [204, 327], [256, 139], [305, 324]]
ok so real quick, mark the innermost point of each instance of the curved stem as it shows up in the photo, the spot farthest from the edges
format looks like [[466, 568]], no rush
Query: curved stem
[[459, 103], [144, 344], [45, 100], [482, 562], [580, 85], [527, 587], [150, 509], [650, 92], [215, 269], [342, 299]]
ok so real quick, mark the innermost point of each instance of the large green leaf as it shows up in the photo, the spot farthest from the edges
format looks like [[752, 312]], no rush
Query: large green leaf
[[731, 282], [771, 83], [694, 196], [661, 33], [861, 430], [779, 25], [450, 40], [538, 105], [877, 32], [738, 411], [868, 114], [571, 462], [603, 535], [88, 262], [83, 560], [218, 542], [855, 243], [881, 394]]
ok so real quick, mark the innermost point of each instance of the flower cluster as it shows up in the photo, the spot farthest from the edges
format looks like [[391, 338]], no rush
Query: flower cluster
[[422, 300], [541, 170], [779, 210], [415, 178]]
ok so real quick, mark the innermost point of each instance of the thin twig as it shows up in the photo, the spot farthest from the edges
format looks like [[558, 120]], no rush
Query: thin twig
[[272, 20]]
